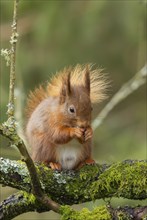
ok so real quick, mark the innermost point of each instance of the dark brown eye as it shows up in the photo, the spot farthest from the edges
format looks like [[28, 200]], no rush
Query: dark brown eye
[[71, 109]]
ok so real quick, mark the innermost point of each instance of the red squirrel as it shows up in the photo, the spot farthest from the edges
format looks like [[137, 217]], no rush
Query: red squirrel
[[59, 116]]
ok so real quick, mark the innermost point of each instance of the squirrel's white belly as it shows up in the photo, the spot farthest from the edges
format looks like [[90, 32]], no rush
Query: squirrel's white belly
[[68, 154]]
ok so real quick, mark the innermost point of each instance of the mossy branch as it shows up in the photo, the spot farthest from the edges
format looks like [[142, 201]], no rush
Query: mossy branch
[[124, 179], [23, 202], [17, 204]]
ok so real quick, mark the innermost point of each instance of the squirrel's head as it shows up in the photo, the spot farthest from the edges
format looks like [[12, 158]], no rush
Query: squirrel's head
[[76, 101]]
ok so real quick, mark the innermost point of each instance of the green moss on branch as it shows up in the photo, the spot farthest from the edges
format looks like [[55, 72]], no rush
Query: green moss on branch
[[15, 205], [105, 212], [126, 179], [101, 213], [24, 202], [129, 178]]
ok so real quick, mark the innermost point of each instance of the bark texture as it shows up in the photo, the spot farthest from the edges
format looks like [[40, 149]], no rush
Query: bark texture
[[125, 179]]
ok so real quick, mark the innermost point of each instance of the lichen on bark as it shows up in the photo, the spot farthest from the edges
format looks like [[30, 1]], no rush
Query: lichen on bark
[[124, 179], [22, 202]]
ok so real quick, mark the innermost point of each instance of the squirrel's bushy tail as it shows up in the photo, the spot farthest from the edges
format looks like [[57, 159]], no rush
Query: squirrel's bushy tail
[[98, 81], [34, 98], [98, 86]]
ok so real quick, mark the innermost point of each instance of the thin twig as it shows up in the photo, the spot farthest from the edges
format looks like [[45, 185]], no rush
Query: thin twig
[[13, 43], [9, 128], [129, 87]]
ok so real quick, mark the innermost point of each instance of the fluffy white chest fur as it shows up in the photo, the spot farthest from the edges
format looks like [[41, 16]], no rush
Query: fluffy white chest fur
[[69, 154]]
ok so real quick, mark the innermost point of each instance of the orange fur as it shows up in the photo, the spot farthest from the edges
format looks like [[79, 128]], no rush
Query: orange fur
[[98, 86], [60, 114], [98, 83], [34, 99]]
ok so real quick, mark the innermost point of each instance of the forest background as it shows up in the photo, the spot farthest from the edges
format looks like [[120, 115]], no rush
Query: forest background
[[55, 34]]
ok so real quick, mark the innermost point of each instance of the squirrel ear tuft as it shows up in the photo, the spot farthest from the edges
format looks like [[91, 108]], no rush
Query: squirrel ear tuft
[[65, 90], [87, 79]]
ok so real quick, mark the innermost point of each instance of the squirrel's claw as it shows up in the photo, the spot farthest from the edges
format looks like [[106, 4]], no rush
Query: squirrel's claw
[[88, 133], [78, 133], [88, 161], [55, 166]]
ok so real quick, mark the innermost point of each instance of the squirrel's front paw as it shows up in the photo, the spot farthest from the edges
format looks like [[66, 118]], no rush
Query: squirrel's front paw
[[88, 133], [78, 133]]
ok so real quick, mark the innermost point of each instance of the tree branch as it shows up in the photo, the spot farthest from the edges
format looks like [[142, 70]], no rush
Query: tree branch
[[23, 202], [13, 43], [19, 203], [123, 179], [106, 212], [129, 87], [9, 128]]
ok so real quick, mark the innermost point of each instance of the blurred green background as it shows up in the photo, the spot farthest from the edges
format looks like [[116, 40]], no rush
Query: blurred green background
[[55, 34]]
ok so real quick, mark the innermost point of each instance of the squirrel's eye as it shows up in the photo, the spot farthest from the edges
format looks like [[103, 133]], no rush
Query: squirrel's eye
[[71, 109]]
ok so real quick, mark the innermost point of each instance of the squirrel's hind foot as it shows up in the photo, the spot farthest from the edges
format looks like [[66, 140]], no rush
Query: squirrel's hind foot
[[55, 166], [88, 161]]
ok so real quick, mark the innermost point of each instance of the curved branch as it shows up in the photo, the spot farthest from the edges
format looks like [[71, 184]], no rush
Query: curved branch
[[125, 179], [129, 87], [23, 202]]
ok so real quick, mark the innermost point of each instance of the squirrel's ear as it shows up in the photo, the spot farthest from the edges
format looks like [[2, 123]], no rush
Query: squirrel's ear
[[87, 79], [65, 90]]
